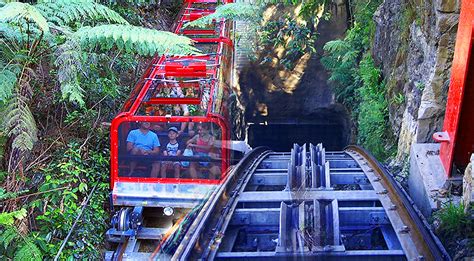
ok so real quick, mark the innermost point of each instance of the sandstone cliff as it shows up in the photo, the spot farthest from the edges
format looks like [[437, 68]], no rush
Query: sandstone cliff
[[414, 46]]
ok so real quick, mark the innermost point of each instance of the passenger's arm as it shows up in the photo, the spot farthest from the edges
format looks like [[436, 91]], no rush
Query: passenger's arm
[[129, 146], [192, 140], [156, 150]]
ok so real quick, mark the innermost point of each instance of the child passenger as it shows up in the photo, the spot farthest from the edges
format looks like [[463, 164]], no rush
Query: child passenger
[[172, 148]]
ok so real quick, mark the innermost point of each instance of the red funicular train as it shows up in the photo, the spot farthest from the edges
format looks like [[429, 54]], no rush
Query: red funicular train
[[169, 144]]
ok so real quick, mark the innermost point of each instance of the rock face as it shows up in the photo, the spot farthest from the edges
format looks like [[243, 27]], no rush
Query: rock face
[[414, 46]]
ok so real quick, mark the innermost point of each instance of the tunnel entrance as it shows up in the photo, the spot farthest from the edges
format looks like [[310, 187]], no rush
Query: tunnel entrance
[[281, 136], [330, 126]]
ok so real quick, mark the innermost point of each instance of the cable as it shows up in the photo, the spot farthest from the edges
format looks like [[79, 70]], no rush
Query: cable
[[75, 222]]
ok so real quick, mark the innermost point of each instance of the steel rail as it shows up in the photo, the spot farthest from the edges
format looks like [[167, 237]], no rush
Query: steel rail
[[425, 240], [222, 199]]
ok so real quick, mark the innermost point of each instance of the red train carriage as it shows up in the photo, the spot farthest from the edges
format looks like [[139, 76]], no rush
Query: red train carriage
[[169, 144]]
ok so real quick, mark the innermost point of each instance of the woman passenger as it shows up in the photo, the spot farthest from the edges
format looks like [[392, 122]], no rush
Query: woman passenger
[[202, 145]]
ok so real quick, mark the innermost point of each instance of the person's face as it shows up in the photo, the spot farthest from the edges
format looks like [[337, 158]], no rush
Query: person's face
[[145, 125], [202, 131], [172, 135]]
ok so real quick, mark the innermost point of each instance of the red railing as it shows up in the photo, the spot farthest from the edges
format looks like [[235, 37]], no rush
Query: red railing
[[457, 137]]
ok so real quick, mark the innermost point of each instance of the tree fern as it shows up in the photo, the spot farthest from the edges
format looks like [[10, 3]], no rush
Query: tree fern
[[63, 12], [16, 11], [20, 124], [235, 11], [134, 39]]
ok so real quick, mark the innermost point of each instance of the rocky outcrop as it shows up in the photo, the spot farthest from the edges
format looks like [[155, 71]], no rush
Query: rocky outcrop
[[414, 46]]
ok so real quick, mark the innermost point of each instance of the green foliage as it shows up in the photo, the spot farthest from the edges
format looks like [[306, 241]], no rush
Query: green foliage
[[4, 195], [64, 12], [10, 32], [7, 219], [454, 223], [12, 243], [295, 38], [80, 173], [8, 234], [25, 44], [8, 79], [28, 251], [357, 82], [15, 246], [127, 38], [16, 11], [233, 11], [68, 61], [420, 86], [373, 114], [134, 39], [20, 124], [399, 99]]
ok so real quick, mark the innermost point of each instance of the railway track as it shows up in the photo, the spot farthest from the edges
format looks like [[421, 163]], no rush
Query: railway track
[[313, 203], [306, 203]]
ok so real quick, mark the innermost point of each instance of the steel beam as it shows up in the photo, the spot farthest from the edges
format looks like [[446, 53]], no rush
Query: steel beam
[[356, 216], [375, 255], [256, 217], [309, 195]]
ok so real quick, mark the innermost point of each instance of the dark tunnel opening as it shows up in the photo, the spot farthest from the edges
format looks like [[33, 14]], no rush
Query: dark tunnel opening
[[330, 126], [281, 137]]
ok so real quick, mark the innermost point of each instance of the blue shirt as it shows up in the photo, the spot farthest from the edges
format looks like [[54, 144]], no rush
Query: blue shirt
[[147, 141]]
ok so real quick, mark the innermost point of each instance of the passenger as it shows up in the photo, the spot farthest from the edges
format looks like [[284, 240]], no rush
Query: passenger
[[202, 145], [172, 148], [144, 142], [177, 92]]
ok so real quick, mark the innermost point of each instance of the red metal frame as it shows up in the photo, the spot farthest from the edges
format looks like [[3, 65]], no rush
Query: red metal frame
[[191, 66], [458, 136]]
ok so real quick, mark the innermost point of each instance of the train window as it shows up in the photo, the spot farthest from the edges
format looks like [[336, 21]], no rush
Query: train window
[[170, 150], [207, 48]]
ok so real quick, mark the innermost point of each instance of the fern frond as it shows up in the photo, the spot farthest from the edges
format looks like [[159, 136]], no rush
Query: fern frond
[[134, 39], [336, 46], [350, 58], [8, 235], [11, 32], [63, 12], [8, 80], [69, 65], [28, 251], [15, 11], [19, 122], [234, 11]]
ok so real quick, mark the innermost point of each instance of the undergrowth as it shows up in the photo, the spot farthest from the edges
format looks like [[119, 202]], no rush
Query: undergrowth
[[454, 224], [44, 186]]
